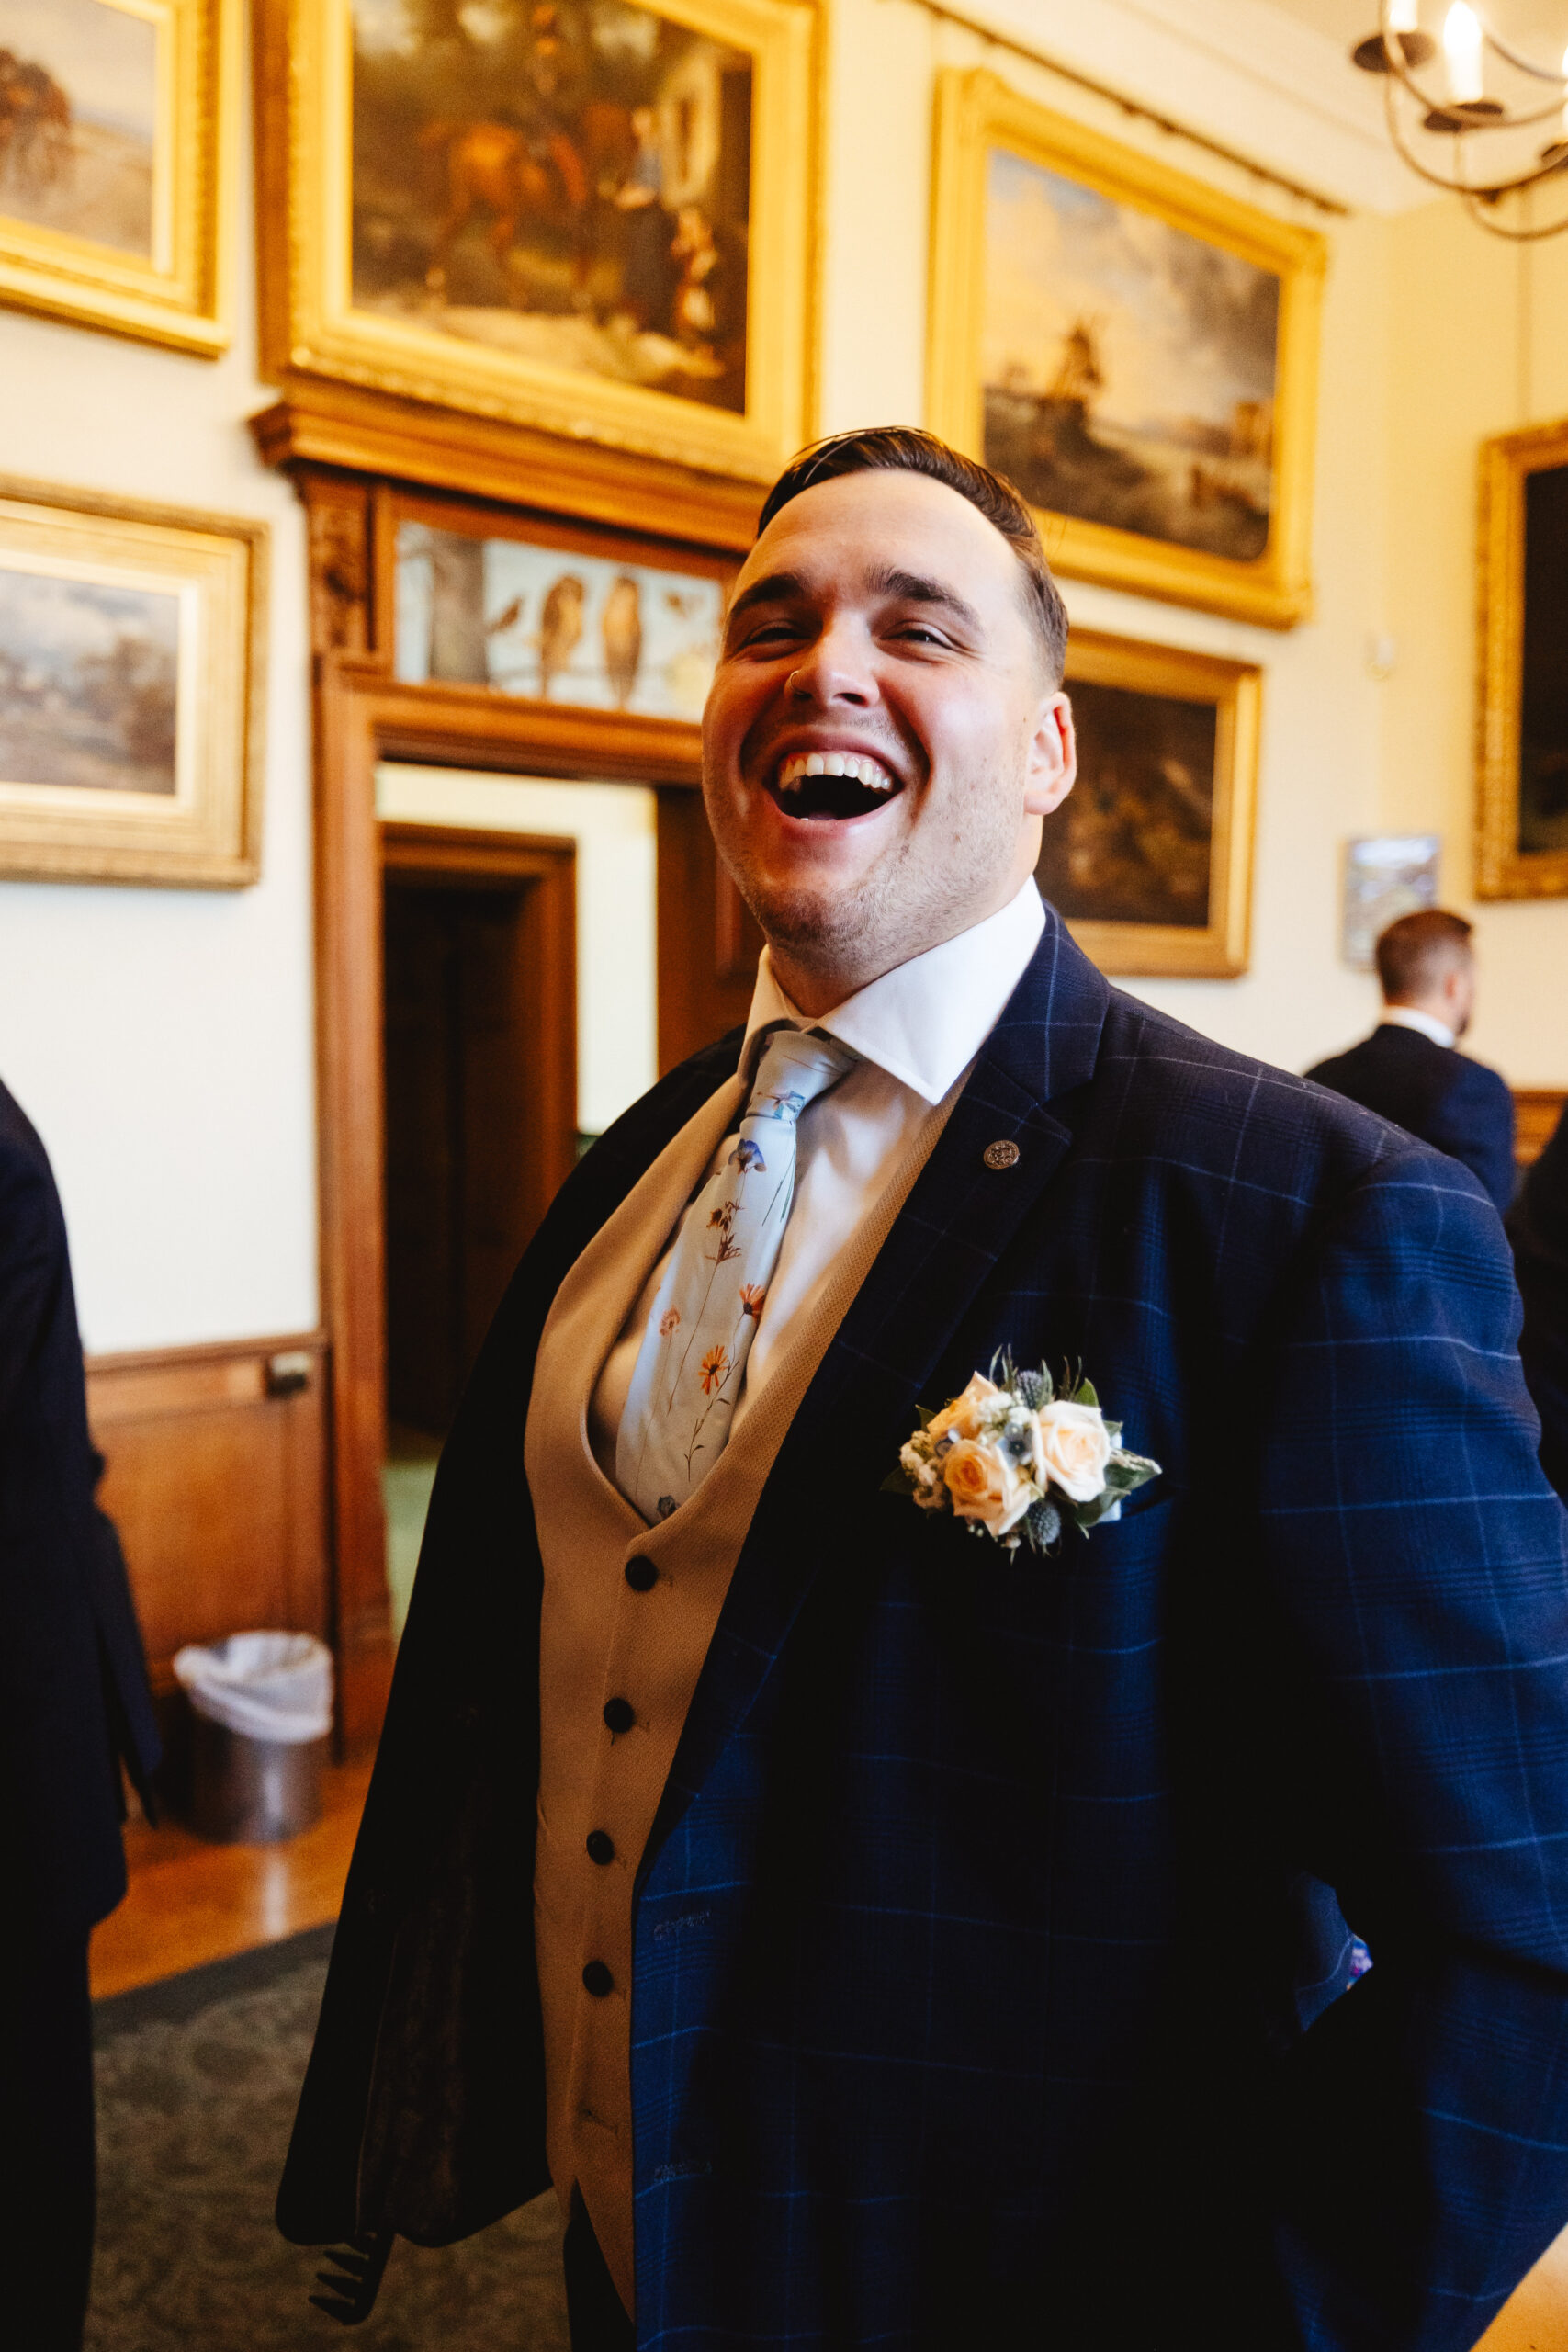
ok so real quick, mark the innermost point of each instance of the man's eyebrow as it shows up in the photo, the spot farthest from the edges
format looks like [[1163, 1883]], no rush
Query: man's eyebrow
[[912, 588], [775, 588], [887, 580]]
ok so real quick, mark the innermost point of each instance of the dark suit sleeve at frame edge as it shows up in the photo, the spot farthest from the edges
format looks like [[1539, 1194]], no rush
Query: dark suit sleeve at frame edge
[[1416, 1559]]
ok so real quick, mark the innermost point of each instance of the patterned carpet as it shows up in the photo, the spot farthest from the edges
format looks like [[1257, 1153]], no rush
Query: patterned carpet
[[197, 2079]]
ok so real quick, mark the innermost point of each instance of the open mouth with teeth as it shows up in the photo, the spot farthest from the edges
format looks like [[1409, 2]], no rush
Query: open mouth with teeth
[[830, 786]]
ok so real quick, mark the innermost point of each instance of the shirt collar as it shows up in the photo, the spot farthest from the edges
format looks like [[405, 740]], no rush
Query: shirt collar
[[1410, 1016], [925, 1021]]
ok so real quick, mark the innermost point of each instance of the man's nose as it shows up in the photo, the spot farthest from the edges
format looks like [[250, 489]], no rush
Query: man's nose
[[837, 668]]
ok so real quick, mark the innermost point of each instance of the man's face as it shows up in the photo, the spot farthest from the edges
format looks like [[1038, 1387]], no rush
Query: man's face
[[881, 739]]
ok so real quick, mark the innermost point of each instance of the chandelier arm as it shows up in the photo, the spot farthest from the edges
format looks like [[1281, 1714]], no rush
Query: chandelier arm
[[1482, 218], [1521, 65], [1398, 71], [1458, 185]]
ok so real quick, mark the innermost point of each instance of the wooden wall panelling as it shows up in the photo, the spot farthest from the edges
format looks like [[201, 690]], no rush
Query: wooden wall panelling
[[1537, 1110], [216, 1480]]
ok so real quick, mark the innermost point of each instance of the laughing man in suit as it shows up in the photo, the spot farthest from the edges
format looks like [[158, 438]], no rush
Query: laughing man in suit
[[876, 1935], [1409, 1070]]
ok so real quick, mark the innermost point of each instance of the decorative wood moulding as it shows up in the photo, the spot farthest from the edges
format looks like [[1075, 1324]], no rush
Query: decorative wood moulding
[[1537, 1110], [367, 433]]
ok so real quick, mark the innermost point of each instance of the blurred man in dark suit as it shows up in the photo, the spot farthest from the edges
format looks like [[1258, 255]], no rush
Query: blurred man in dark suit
[[1538, 1227], [74, 1704], [1407, 1070]]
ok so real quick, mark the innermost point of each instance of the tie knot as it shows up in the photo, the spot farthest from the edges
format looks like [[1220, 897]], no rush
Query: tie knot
[[793, 1069]]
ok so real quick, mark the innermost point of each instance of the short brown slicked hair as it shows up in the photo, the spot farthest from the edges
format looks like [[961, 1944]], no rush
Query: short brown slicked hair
[[902, 449], [1414, 953]]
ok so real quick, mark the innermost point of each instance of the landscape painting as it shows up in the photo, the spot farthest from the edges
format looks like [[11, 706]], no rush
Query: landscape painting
[[554, 624], [1148, 860], [1133, 349], [88, 683], [130, 690], [1128, 370], [1134, 841], [79, 83], [566, 181]]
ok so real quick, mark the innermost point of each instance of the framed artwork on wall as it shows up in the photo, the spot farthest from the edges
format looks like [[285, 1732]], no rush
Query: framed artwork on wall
[[592, 219], [119, 122], [1134, 350], [555, 616], [1149, 858], [130, 690], [1386, 876], [1521, 844]]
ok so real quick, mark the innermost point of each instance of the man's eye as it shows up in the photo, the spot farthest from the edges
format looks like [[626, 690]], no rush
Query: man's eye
[[772, 633], [918, 633]]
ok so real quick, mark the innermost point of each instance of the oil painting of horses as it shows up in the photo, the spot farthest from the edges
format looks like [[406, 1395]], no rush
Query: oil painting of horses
[[78, 120], [1129, 367], [564, 181]]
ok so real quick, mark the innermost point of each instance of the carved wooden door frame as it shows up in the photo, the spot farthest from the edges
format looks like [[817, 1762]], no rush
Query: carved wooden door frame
[[364, 715]]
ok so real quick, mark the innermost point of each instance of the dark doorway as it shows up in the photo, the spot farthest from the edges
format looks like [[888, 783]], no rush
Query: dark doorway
[[480, 1092]]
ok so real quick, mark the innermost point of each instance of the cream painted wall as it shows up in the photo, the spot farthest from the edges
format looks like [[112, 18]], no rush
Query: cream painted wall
[[1478, 336], [163, 1041]]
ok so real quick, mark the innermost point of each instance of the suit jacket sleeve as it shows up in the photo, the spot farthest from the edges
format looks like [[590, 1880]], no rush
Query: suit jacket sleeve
[[1473, 1121], [1416, 1557]]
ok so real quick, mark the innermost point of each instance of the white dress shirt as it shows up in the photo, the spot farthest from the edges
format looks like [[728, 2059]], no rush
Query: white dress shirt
[[1410, 1016], [917, 1029]]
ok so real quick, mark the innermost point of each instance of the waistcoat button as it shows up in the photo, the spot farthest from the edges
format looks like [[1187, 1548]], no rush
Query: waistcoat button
[[597, 1979], [619, 1713], [600, 1846], [641, 1574]]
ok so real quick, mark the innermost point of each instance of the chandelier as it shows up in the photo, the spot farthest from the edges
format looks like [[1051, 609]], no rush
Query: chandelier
[[1470, 113]]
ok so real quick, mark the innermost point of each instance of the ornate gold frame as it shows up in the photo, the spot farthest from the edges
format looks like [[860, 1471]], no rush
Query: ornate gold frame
[[1220, 949], [207, 833], [183, 296], [309, 326], [974, 112], [1501, 869]]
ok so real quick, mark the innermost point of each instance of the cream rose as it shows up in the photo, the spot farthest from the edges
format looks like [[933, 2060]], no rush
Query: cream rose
[[986, 1486], [1075, 1446], [961, 1417]]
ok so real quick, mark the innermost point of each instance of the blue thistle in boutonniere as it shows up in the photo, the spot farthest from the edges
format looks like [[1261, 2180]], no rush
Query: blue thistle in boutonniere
[[1018, 1458]]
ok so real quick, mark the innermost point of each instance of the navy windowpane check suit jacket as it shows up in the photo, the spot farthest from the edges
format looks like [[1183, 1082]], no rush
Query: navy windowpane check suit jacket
[[991, 1937]]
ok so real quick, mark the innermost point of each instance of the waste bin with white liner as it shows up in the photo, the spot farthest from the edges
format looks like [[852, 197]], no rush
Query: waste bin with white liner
[[262, 1712]]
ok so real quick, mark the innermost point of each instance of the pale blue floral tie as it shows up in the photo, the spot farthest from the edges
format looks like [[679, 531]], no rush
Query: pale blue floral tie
[[689, 1367]]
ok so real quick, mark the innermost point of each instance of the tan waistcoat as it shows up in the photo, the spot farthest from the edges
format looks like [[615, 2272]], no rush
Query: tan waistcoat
[[603, 1639]]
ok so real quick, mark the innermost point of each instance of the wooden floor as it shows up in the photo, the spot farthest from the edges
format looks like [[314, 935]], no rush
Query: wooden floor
[[190, 1902]]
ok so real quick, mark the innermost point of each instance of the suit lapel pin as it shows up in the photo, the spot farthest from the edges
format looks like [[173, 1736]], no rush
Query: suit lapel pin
[[1001, 1154]]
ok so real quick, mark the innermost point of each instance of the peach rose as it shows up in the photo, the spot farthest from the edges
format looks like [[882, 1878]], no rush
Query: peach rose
[[1075, 1446], [961, 1417], [986, 1486]]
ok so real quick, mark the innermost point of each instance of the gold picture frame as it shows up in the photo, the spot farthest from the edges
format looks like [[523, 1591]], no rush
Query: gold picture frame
[[372, 296], [118, 169], [1149, 859], [1215, 504], [1521, 802], [132, 665]]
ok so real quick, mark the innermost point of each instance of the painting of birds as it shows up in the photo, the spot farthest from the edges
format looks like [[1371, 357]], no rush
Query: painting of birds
[[561, 626], [622, 627]]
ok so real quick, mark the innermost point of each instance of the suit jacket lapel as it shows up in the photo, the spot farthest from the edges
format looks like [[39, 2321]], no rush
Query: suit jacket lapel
[[959, 1219]]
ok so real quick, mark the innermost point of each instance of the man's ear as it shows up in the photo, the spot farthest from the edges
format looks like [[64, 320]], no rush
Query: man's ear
[[1053, 757]]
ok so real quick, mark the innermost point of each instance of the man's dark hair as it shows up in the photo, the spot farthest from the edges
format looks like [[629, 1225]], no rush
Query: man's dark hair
[[1414, 953], [902, 449]]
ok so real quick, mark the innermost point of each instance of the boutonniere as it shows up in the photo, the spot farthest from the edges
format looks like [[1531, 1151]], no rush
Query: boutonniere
[[1018, 1458]]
